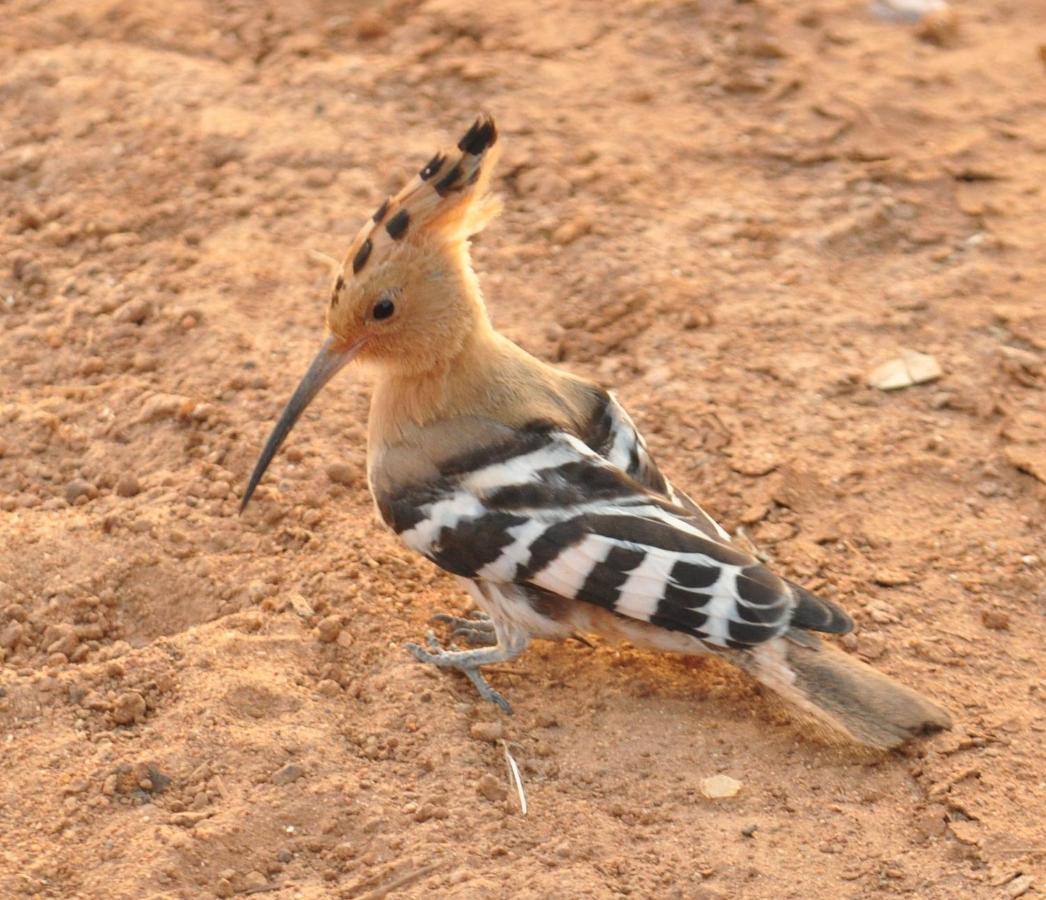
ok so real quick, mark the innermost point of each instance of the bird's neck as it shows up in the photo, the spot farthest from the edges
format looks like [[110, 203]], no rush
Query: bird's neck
[[490, 377]]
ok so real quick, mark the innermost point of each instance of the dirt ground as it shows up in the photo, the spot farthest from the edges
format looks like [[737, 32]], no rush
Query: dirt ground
[[729, 211]]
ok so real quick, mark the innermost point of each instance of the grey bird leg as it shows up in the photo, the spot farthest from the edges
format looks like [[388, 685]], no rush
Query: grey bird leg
[[511, 642], [478, 630]]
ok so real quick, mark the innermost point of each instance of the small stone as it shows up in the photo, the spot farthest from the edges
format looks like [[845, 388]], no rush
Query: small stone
[[487, 731], [78, 488], [431, 810], [288, 774], [749, 831], [345, 638], [907, 11], [911, 367], [1019, 886], [719, 787], [369, 26], [490, 787], [301, 606], [162, 406], [128, 485], [891, 577], [135, 311], [341, 473], [129, 708], [255, 881], [932, 822], [939, 27], [224, 888], [328, 628], [995, 619], [328, 687]]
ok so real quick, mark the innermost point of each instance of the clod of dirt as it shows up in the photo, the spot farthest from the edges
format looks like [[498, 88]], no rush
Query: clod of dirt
[[128, 485], [341, 473], [328, 628], [129, 708], [431, 809], [77, 489], [911, 367], [488, 786], [161, 406], [720, 787], [995, 619], [487, 731], [133, 311], [940, 27], [254, 882]]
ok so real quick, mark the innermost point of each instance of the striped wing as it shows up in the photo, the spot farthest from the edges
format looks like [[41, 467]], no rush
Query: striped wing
[[547, 511], [614, 436]]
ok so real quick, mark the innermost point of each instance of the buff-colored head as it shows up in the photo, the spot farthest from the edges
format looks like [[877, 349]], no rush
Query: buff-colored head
[[406, 298], [406, 292]]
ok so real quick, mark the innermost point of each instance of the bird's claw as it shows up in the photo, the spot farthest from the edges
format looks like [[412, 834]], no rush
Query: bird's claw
[[460, 660], [477, 630]]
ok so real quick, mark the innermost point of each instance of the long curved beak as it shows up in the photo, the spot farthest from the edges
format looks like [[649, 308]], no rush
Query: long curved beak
[[331, 359]]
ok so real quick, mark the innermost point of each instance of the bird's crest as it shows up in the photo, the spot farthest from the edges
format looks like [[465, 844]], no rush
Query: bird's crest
[[445, 203]]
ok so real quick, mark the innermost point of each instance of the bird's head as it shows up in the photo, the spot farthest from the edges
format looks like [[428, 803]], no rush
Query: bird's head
[[405, 298]]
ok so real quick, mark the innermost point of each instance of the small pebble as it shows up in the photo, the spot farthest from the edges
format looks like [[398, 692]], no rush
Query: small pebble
[[328, 687], [128, 486], [129, 708], [341, 473], [995, 619], [904, 371], [490, 787], [78, 488], [719, 787], [255, 881], [328, 628], [288, 774], [487, 731], [370, 25], [1019, 886], [135, 311]]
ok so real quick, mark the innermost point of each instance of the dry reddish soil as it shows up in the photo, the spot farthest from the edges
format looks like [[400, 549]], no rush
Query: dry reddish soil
[[731, 212]]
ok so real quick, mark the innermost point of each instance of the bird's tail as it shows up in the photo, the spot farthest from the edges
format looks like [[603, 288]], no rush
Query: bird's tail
[[842, 693]]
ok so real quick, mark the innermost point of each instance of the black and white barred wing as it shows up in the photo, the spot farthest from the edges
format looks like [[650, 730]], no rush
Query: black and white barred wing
[[614, 436], [557, 516]]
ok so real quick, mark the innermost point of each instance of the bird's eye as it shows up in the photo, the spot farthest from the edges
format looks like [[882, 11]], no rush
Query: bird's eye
[[383, 308]]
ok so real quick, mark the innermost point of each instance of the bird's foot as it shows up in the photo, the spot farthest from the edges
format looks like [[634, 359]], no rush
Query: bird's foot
[[467, 662], [477, 630]]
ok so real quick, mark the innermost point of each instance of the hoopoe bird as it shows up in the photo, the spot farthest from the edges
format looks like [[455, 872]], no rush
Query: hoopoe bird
[[534, 488]]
